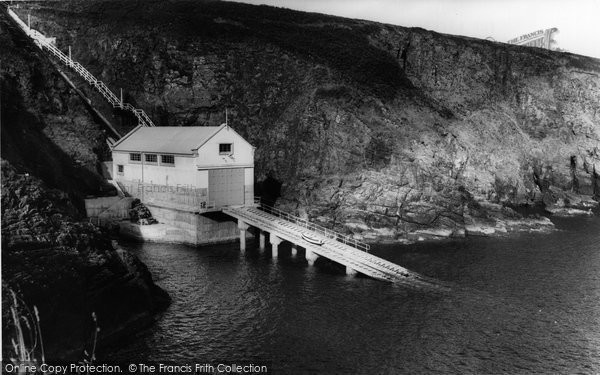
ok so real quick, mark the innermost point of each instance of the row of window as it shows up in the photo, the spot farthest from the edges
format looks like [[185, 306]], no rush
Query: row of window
[[224, 149], [152, 158]]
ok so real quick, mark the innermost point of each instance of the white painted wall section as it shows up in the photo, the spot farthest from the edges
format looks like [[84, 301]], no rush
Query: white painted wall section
[[242, 154]]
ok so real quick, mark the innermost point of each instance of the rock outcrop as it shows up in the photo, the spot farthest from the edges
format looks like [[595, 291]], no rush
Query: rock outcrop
[[372, 128], [51, 257]]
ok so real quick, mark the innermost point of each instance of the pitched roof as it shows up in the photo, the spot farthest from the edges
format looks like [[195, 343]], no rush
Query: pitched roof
[[166, 139]]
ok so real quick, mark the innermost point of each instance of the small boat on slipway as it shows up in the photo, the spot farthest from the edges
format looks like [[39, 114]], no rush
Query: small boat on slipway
[[312, 239]]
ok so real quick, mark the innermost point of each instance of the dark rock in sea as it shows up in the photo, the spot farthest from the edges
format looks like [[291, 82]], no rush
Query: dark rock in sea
[[567, 203], [140, 214]]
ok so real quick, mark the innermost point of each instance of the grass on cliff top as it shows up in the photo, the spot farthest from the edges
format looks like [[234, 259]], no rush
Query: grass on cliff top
[[341, 44]]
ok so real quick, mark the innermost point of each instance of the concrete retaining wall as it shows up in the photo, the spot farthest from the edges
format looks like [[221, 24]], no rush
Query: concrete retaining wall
[[108, 207], [156, 233], [95, 206], [190, 228]]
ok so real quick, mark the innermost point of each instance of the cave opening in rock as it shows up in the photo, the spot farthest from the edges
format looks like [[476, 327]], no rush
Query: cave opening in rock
[[269, 190]]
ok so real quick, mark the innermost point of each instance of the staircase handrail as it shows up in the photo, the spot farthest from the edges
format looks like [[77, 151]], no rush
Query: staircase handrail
[[39, 39], [345, 239]]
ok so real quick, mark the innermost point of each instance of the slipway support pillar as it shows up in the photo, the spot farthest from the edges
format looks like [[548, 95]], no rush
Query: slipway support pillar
[[311, 257], [275, 241], [261, 240], [243, 227], [351, 271]]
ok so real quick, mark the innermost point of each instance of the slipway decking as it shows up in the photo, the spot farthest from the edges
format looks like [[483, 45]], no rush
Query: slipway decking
[[340, 248]]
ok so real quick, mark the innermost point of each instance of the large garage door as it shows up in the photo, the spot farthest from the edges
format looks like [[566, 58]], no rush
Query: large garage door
[[226, 186]]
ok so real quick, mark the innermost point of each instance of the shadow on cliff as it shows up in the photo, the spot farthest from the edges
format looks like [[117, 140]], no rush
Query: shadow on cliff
[[29, 150]]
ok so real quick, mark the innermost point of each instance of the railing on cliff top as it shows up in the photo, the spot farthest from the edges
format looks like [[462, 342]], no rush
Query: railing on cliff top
[[43, 42], [345, 239]]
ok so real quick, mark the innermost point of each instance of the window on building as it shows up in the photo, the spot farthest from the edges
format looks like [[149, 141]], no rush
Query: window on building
[[120, 169], [167, 159], [151, 158], [225, 148], [135, 157]]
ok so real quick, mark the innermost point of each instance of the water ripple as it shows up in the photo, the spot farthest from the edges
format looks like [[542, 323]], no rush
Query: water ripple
[[523, 305]]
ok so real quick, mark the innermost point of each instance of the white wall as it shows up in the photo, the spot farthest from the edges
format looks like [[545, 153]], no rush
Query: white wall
[[249, 176], [202, 179], [182, 173], [248, 186], [243, 152]]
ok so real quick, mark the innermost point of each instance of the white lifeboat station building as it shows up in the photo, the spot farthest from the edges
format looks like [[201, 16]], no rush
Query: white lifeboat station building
[[211, 162], [184, 173]]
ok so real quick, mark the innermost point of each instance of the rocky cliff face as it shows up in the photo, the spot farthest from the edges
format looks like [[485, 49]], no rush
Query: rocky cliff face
[[51, 257], [376, 128]]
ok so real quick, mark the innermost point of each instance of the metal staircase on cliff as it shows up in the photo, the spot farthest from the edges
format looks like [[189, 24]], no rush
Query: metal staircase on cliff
[[44, 42]]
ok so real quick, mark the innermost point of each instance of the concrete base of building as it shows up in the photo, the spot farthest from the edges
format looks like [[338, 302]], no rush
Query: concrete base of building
[[176, 226], [162, 233]]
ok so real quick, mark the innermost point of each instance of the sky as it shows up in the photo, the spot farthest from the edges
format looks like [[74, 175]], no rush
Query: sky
[[578, 21]]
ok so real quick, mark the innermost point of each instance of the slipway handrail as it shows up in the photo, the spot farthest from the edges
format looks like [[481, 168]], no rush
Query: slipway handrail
[[328, 233]]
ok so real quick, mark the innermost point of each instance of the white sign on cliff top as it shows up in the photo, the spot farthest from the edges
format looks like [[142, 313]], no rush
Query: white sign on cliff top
[[539, 38]]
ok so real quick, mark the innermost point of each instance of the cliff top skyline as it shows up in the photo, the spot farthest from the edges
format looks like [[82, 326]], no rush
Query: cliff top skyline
[[500, 19]]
